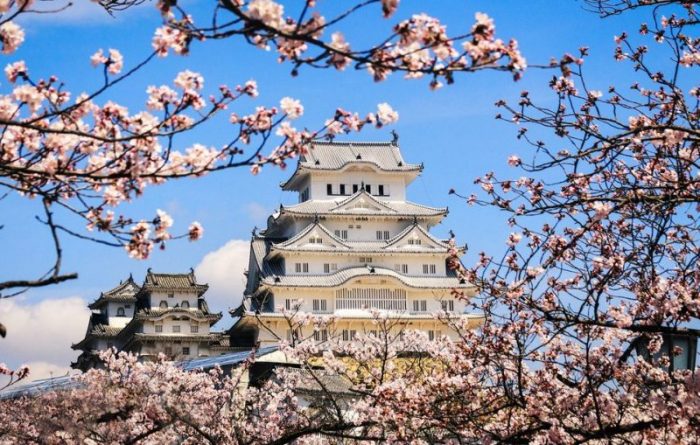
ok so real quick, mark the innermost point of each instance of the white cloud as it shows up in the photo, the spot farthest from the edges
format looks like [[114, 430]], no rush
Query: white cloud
[[223, 270], [40, 334]]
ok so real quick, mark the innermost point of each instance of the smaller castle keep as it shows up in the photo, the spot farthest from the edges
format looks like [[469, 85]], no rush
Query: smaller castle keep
[[166, 314]]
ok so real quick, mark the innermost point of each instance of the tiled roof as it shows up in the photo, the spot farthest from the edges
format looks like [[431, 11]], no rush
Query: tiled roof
[[394, 208], [323, 155], [387, 246], [323, 246], [329, 156], [318, 381], [139, 336], [181, 281], [105, 331], [193, 313], [125, 292], [344, 275]]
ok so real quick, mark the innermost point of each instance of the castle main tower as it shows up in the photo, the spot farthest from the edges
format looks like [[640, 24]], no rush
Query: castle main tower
[[352, 243]]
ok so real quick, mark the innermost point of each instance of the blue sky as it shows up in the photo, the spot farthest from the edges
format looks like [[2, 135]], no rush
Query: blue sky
[[453, 130]]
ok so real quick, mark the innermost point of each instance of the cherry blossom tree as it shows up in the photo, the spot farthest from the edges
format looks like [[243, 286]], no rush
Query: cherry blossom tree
[[601, 266], [82, 154]]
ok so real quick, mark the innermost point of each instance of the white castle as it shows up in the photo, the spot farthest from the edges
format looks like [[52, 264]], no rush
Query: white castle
[[353, 243]]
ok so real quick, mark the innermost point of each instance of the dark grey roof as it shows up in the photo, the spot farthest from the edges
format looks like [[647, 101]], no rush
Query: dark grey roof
[[179, 281], [318, 381], [125, 292], [192, 313], [344, 275]]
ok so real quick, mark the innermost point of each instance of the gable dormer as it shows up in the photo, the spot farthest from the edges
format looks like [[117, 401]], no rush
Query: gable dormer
[[362, 202], [314, 237], [414, 238]]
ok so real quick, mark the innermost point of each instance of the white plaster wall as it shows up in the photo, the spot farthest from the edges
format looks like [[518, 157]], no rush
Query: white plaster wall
[[394, 184], [178, 298]]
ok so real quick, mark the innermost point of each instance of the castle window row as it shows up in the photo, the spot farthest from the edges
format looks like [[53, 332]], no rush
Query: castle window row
[[344, 190], [387, 299], [176, 329], [328, 268]]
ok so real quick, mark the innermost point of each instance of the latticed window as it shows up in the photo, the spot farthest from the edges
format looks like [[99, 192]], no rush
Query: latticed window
[[159, 328], [448, 305], [349, 334], [319, 305], [194, 329], [420, 305], [321, 335], [386, 299]]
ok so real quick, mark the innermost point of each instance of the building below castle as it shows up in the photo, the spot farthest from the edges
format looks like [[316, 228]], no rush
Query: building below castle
[[354, 243], [167, 314]]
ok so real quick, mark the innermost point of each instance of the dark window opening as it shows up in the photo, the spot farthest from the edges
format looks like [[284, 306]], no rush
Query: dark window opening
[[342, 189], [329, 189]]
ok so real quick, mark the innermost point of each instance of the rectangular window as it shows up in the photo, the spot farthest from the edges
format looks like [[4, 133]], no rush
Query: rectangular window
[[342, 234], [429, 269], [414, 241], [433, 269], [365, 259], [297, 267], [448, 305], [194, 329], [301, 267], [159, 328], [176, 328], [185, 350], [329, 189], [379, 234], [431, 335], [368, 188], [316, 305], [420, 305], [321, 335], [346, 335], [171, 295], [342, 189], [403, 268], [326, 268], [168, 350], [386, 234], [355, 188], [381, 190], [353, 333], [288, 304]]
